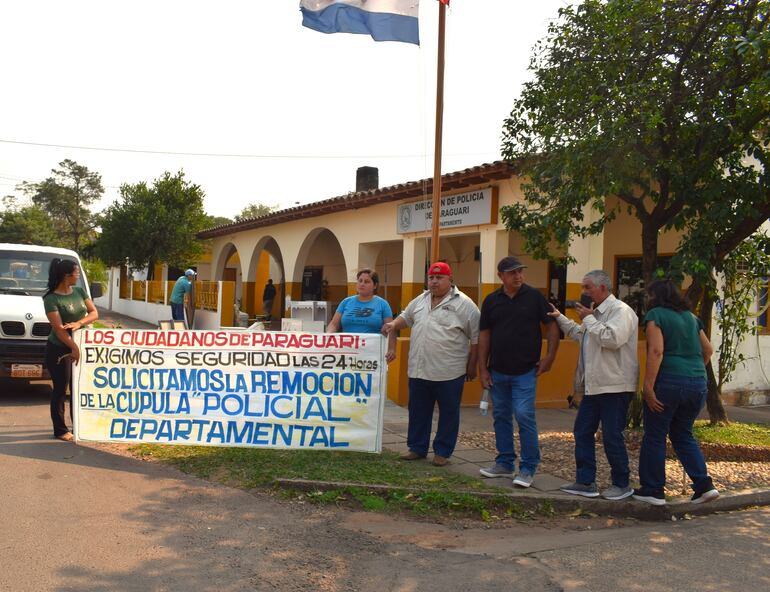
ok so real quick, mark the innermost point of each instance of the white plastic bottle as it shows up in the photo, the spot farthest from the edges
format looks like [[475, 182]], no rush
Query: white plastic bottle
[[484, 402]]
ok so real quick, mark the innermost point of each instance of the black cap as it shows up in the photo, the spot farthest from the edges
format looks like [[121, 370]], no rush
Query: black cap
[[509, 264]]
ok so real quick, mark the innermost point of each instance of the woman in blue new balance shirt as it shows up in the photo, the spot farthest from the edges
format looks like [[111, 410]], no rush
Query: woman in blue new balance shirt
[[365, 312]]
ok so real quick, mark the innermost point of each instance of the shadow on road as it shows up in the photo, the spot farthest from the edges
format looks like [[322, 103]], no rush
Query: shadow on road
[[15, 393]]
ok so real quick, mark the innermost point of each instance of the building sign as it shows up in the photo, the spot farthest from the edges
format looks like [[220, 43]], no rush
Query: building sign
[[463, 209], [231, 388]]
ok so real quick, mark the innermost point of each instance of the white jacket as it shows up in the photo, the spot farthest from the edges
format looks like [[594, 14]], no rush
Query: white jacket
[[608, 351]]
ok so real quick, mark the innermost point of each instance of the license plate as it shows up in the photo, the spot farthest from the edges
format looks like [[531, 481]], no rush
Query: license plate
[[26, 370]]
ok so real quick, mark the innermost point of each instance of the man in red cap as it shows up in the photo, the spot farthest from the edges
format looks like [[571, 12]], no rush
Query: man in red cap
[[442, 355]]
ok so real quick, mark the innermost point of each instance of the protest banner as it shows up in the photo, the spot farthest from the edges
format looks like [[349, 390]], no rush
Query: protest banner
[[230, 388]]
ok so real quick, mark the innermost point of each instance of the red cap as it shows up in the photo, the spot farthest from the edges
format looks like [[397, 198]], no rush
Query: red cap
[[439, 268]]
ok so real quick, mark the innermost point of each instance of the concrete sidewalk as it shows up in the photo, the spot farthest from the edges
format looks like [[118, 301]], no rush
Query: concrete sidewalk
[[115, 320], [468, 460]]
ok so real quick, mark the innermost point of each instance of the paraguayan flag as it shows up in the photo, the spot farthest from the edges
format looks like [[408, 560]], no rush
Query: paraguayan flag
[[384, 20]]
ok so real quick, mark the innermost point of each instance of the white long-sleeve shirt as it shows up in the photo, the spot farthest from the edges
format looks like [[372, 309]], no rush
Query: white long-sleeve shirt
[[608, 347]]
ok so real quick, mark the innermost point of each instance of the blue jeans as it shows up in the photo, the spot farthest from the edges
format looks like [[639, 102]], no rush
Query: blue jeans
[[515, 396], [683, 398], [610, 409], [177, 312], [423, 395]]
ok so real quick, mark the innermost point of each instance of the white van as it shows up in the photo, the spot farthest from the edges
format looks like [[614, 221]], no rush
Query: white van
[[24, 327]]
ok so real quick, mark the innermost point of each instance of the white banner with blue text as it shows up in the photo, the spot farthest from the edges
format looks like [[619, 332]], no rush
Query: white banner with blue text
[[231, 388]]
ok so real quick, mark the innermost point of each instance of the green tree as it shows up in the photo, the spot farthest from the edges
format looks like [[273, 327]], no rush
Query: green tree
[[718, 234], [28, 225], [253, 210], [645, 100], [214, 221], [67, 196], [150, 224], [743, 272], [663, 104]]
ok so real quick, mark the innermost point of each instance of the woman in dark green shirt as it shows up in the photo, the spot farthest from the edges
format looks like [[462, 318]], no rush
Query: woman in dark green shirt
[[68, 307], [674, 392]]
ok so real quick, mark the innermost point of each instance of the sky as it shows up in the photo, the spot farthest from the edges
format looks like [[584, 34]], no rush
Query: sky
[[252, 106]]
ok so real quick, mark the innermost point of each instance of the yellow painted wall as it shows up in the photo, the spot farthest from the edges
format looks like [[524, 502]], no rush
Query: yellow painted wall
[[337, 293], [393, 296], [623, 237], [471, 292], [486, 290], [248, 298], [228, 295], [410, 291]]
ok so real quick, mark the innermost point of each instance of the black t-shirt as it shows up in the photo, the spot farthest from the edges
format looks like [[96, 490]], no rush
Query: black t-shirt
[[514, 326]]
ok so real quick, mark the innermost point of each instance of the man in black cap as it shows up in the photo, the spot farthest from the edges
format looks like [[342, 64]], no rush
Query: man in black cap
[[510, 340]]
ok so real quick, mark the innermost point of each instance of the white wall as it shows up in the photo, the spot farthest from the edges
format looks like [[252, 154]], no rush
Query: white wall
[[149, 312]]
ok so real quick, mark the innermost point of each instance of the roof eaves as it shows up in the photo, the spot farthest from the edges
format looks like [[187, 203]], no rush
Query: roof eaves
[[472, 176]]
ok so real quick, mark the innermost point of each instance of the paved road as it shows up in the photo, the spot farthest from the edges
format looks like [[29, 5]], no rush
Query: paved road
[[80, 518]]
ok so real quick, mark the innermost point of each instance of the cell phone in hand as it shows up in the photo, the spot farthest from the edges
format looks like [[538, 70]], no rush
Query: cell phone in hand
[[585, 300]]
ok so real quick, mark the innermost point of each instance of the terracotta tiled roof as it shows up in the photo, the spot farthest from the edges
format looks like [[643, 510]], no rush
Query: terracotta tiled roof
[[484, 173]]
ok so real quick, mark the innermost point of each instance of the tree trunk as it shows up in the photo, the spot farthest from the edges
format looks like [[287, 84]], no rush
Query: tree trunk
[[717, 413], [649, 251], [151, 270]]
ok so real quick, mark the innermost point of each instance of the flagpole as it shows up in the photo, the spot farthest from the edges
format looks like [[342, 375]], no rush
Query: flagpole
[[436, 210]]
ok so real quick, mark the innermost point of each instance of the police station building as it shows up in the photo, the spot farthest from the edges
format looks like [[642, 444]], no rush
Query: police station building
[[313, 252]]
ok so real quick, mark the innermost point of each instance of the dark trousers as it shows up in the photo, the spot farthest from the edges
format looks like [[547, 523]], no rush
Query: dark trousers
[[267, 309], [177, 311], [60, 372], [609, 409], [683, 398], [423, 396]]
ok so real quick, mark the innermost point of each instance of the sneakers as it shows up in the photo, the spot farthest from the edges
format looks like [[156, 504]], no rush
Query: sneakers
[[581, 489], [704, 496], [496, 471], [439, 461], [411, 456], [656, 498], [617, 493], [523, 479]]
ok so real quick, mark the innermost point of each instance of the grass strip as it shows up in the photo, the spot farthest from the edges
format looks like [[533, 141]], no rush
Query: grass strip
[[254, 467], [441, 492], [734, 433]]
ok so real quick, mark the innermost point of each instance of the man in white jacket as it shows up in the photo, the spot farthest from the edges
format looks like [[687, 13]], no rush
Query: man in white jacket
[[609, 362]]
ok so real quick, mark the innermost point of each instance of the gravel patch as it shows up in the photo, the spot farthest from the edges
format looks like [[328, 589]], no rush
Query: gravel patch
[[732, 467]]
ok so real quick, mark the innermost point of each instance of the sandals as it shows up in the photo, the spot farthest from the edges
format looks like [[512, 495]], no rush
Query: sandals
[[66, 436]]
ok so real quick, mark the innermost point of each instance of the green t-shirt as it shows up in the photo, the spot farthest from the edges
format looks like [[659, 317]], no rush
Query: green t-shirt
[[71, 308], [181, 287], [682, 351]]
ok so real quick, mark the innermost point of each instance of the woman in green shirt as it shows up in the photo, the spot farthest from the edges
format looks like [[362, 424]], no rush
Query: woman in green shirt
[[68, 307], [674, 392]]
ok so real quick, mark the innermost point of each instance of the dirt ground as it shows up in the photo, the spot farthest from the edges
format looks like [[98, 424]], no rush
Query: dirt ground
[[732, 467]]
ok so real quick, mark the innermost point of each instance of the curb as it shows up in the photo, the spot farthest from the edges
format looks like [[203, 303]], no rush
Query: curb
[[567, 503]]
